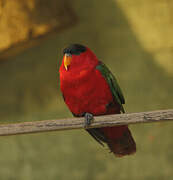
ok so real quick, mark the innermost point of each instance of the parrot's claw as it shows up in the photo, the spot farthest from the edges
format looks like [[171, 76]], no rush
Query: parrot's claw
[[88, 119]]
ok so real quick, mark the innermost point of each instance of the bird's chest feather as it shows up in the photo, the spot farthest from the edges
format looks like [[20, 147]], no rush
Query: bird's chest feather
[[87, 93]]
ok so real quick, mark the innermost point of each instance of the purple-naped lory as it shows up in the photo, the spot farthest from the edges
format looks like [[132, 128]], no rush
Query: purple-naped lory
[[90, 89]]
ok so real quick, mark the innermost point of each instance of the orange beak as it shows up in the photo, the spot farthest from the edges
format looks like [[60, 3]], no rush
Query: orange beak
[[67, 61]]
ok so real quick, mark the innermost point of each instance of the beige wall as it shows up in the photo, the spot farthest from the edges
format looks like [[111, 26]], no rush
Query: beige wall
[[152, 23]]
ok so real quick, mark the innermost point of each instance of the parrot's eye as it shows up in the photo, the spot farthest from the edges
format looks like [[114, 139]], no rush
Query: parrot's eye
[[75, 49]]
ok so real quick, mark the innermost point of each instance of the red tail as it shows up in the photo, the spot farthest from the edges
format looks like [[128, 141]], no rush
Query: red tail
[[120, 140]]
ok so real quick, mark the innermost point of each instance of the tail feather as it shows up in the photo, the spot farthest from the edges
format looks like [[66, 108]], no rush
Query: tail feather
[[124, 145], [118, 139]]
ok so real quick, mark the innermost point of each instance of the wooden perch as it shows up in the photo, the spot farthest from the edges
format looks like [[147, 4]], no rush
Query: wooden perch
[[77, 123]]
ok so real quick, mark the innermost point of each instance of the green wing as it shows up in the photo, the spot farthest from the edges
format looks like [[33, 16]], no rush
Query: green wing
[[113, 84]]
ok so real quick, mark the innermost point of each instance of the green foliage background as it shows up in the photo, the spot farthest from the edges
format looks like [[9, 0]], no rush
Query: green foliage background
[[29, 91]]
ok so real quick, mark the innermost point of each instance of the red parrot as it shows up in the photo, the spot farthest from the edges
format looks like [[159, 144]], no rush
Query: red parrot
[[90, 89]]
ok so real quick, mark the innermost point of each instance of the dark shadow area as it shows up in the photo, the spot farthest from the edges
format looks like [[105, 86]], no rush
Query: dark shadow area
[[26, 24]]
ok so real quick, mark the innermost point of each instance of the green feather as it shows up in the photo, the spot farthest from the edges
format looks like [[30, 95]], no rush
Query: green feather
[[113, 84]]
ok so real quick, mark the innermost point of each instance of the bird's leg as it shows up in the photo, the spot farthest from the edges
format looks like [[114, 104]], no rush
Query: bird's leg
[[88, 119]]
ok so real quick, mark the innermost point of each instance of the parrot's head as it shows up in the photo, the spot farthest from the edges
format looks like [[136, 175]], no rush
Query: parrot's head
[[77, 57]]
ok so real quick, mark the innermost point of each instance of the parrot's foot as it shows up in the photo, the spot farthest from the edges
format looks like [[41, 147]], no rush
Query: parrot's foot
[[88, 119]]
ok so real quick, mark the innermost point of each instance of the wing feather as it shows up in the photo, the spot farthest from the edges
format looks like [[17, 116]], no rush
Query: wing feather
[[113, 84]]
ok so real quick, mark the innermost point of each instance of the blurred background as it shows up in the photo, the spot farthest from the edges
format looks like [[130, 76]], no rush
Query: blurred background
[[134, 38]]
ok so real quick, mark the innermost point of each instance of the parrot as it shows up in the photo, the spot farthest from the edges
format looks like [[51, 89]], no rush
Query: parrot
[[90, 89]]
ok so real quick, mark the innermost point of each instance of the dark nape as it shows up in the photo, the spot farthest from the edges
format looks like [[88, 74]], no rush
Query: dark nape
[[75, 49]]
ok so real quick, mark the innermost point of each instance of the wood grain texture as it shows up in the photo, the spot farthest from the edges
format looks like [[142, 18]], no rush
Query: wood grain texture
[[78, 123]]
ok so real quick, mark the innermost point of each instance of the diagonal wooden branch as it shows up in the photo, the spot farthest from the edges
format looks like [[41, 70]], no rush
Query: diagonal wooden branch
[[77, 123]]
